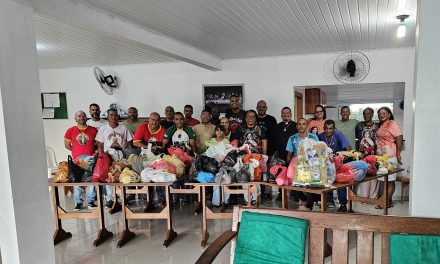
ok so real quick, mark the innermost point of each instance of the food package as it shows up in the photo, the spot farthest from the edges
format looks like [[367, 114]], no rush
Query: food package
[[61, 175], [136, 163], [345, 174], [280, 172], [164, 165], [102, 166], [180, 154], [115, 171], [177, 163], [360, 168], [129, 176], [226, 175]]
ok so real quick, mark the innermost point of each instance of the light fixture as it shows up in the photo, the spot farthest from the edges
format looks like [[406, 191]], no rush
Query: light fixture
[[401, 29]]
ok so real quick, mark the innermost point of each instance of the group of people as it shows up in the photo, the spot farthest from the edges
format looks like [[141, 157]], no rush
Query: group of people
[[259, 130]]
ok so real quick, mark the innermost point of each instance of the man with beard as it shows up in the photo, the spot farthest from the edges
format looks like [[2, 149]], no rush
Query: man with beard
[[235, 115], [215, 115], [347, 125], [204, 132], [112, 136], [95, 113], [132, 121], [80, 139], [151, 133], [189, 120], [169, 115]]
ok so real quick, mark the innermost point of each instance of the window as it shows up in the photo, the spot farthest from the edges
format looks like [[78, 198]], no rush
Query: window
[[357, 109]]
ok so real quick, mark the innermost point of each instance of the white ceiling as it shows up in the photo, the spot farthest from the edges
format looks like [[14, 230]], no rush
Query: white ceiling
[[364, 92], [229, 29]]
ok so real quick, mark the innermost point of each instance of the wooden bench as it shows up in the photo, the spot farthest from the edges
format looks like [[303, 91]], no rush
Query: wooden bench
[[340, 224]]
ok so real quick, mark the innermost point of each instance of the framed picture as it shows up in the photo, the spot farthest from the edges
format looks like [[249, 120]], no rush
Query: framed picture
[[219, 94]]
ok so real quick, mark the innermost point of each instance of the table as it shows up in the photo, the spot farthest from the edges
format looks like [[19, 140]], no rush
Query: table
[[382, 201], [60, 234], [127, 213], [207, 213]]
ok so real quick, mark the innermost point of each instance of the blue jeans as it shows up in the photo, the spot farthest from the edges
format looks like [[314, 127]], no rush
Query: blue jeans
[[179, 184], [342, 196], [90, 192], [253, 195], [109, 193], [216, 196], [160, 194]]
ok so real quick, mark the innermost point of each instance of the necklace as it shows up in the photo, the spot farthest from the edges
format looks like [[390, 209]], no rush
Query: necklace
[[285, 127], [331, 141]]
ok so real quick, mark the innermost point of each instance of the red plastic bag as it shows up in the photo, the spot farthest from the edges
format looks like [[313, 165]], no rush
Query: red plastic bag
[[180, 154], [291, 170], [345, 174], [371, 161], [102, 167], [339, 161]]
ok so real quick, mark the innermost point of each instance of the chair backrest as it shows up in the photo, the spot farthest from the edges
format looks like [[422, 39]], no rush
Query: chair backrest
[[341, 224], [51, 158]]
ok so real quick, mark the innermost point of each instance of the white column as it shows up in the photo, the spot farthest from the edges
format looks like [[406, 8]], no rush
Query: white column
[[426, 160], [26, 224]]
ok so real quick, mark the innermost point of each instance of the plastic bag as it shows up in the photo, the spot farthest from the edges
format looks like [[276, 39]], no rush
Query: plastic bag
[[115, 171], [116, 155], [360, 168], [217, 151], [209, 164], [205, 177], [231, 158], [129, 176], [331, 172], [345, 174], [61, 175], [371, 161], [254, 161], [75, 172], [226, 175], [273, 161], [136, 163], [102, 166], [131, 150], [196, 166], [163, 176], [280, 172], [291, 169], [164, 165], [177, 163], [180, 154]]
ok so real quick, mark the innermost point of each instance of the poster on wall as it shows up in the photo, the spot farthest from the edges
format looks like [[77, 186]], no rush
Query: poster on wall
[[219, 94]]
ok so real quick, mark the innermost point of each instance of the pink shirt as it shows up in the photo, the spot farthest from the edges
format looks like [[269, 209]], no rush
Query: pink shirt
[[386, 138]]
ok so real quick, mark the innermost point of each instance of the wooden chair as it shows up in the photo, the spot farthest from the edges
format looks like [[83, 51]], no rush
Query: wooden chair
[[340, 224], [405, 183]]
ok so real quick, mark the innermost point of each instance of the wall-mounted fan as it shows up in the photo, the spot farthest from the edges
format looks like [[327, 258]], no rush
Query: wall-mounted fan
[[108, 82], [351, 67]]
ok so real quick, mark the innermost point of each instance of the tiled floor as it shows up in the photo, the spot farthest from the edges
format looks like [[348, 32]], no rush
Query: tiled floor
[[146, 247]]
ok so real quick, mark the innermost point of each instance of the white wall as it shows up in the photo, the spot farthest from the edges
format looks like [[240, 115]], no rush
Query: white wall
[[154, 86]]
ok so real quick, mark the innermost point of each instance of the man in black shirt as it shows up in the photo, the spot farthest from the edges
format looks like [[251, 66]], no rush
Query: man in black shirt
[[235, 115], [281, 133], [267, 123], [169, 114]]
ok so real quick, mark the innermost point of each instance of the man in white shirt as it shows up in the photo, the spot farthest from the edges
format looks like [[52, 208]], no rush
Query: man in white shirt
[[96, 121], [112, 136]]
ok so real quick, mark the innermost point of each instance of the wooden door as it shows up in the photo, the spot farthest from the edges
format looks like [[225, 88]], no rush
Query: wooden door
[[298, 106]]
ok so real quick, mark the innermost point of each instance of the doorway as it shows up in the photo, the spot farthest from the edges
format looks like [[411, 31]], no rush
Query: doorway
[[298, 106]]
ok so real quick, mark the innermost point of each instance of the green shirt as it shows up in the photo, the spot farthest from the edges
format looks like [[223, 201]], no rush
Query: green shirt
[[348, 129], [132, 126]]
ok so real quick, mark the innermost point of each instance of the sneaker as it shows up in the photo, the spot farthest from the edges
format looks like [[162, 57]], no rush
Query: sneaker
[[91, 205], [78, 207], [109, 204], [342, 208], [331, 205]]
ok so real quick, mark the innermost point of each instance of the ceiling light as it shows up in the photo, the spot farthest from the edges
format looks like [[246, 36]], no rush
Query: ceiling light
[[401, 5], [401, 29]]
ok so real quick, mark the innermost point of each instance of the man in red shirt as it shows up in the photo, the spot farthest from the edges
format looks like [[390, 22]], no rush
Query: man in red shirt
[[80, 139], [151, 133], [189, 120]]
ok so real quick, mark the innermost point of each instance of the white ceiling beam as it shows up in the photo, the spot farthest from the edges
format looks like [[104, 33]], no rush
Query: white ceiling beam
[[87, 18]]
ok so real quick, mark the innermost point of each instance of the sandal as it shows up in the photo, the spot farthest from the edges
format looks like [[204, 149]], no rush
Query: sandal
[[380, 207]]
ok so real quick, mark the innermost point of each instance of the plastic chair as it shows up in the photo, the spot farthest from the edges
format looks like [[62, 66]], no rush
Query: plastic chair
[[52, 164]]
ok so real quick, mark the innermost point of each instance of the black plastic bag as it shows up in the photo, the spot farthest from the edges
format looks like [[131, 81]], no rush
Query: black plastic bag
[[75, 173], [243, 175], [231, 158], [88, 174], [209, 165]]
